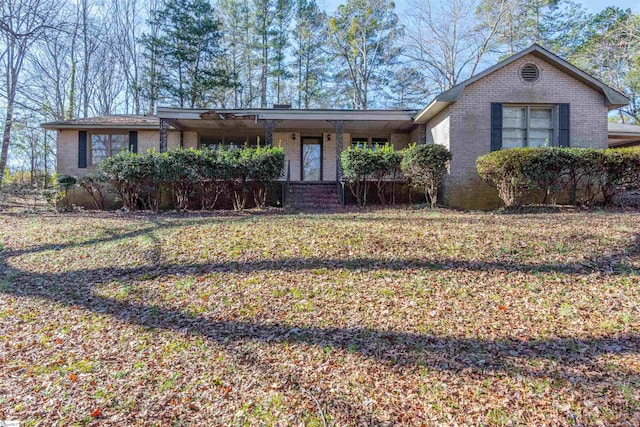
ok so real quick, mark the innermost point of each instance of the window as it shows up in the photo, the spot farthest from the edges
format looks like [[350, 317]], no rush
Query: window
[[230, 142], [105, 145], [365, 141], [527, 126], [378, 143], [359, 142]]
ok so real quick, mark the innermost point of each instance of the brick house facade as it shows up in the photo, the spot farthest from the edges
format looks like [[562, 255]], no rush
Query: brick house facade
[[549, 100]]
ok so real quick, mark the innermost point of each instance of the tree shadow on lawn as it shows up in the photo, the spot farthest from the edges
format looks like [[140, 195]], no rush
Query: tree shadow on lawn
[[570, 360], [396, 348], [76, 288], [156, 224]]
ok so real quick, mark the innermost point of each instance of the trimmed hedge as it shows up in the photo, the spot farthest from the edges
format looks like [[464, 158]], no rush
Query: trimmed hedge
[[362, 166], [425, 167], [586, 174], [203, 174]]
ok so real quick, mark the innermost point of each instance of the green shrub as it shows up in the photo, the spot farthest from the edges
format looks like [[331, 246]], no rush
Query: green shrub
[[266, 166], [621, 167], [178, 169], [588, 174], [64, 183], [136, 177], [544, 171], [386, 166], [425, 167], [214, 175], [358, 166]]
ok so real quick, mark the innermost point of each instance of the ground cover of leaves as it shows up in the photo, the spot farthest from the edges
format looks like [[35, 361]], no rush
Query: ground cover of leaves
[[386, 317]]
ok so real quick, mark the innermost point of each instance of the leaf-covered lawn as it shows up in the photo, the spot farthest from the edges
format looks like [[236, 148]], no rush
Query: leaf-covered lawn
[[386, 317]]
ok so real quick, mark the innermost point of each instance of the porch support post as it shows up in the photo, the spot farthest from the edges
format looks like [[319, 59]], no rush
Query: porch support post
[[423, 134], [338, 126], [164, 137], [269, 127]]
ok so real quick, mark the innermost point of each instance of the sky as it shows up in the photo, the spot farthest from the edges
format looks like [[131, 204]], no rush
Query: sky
[[592, 6]]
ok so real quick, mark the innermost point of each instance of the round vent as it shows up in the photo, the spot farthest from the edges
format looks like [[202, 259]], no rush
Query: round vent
[[529, 73]]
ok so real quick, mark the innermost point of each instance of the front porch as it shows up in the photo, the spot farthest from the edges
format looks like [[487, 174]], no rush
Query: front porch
[[312, 139]]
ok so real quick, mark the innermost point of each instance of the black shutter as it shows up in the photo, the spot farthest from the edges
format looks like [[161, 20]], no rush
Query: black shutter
[[133, 141], [82, 149], [564, 125], [496, 126]]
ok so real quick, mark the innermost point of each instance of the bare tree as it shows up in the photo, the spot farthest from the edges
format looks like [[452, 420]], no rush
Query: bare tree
[[22, 24], [448, 41], [127, 17]]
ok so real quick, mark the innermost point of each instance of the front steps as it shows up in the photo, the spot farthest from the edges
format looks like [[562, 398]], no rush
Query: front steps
[[313, 197]]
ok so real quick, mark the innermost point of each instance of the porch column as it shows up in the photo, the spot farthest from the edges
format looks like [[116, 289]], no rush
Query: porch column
[[269, 127], [164, 130], [423, 134], [338, 126]]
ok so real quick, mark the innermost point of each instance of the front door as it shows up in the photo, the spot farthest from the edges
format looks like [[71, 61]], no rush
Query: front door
[[311, 159]]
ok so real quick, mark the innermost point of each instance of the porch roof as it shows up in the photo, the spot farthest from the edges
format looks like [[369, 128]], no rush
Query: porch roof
[[623, 135], [203, 120]]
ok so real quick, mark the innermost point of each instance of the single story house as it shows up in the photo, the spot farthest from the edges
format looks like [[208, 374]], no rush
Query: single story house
[[533, 98]]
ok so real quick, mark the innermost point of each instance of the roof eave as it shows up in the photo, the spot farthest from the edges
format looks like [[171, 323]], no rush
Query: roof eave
[[60, 126]]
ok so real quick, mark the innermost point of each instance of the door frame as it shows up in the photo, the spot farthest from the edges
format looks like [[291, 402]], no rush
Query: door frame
[[302, 140]]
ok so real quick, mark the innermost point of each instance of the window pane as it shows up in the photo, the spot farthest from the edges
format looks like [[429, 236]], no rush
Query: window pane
[[512, 142], [540, 137], [378, 142], [212, 143], [540, 118], [514, 133], [311, 161], [99, 148], [119, 143], [514, 117], [235, 142], [359, 142]]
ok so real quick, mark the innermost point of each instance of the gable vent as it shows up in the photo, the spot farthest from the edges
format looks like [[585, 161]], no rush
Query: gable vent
[[529, 73]]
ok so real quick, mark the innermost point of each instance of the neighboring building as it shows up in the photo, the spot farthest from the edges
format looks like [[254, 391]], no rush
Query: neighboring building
[[533, 98]]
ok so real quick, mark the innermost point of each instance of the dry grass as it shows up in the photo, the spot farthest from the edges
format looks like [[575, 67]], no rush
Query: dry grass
[[385, 317]]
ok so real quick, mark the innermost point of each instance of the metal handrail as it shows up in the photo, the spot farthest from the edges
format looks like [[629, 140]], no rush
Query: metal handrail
[[285, 186], [339, 182]]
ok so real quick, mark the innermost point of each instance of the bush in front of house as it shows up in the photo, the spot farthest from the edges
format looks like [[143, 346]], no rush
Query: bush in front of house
[[505, 171], [266, 166], [358, 166], [425, 166], [362, 166], [586, 174], [178, 169], [386, 166], [136, 178], [207, 174]]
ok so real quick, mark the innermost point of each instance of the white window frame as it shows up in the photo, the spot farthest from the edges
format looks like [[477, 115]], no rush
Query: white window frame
[[528, 108]]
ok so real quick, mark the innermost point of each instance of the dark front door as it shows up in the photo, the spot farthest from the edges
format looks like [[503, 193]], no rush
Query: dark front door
[[311, 159]]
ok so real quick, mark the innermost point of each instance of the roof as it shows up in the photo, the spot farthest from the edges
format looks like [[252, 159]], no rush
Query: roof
[[284, 114], [127, 121], [624, 129], [613, 98], [623, 135]]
